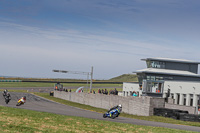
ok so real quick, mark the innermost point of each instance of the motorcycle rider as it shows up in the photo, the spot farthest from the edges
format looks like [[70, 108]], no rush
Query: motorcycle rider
[[5, 92], [23, 99], [119, 107]]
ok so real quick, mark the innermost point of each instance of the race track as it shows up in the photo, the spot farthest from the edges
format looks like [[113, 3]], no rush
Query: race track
[[41, 104]]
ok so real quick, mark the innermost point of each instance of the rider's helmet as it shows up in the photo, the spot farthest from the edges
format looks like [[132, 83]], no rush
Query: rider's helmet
[[25, 97], [120, 105]]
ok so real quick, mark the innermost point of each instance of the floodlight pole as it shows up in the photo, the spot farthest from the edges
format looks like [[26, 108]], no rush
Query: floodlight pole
[[91, 79], [76, 72]]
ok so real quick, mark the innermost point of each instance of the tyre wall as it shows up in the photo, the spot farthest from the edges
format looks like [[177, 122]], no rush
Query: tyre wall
[[190, 109]]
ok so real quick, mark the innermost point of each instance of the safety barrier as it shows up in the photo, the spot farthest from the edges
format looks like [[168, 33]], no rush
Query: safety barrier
[[10, 80], [176, 114]]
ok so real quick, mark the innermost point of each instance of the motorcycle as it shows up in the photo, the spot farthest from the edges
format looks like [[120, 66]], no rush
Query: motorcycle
[[112, 114], [7, 99], [19, 102]]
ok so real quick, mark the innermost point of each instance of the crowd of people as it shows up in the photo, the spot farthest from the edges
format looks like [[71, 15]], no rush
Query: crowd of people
[[66, 90], [100, 91], [111, 92]]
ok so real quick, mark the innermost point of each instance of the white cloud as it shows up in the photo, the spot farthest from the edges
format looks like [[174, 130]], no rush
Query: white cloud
[[33, 51]]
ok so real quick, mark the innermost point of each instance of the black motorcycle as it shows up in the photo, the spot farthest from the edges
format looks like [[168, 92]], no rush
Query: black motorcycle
[[7, 99]]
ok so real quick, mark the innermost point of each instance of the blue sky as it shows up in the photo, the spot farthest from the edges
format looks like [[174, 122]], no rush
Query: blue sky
[[37, 36]]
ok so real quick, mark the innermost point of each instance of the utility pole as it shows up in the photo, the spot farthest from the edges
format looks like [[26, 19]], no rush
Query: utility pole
[[91, 74]]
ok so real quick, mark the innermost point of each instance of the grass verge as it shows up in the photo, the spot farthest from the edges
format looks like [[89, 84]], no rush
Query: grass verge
[[100, 110], [27, 121], [36, 84]]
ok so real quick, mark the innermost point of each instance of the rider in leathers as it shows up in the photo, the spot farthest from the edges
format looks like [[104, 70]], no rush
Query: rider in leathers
[[6, 94], [119, 107], [23, 99]]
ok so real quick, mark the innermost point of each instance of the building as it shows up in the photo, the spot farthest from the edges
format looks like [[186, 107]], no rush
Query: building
[[176, 77]]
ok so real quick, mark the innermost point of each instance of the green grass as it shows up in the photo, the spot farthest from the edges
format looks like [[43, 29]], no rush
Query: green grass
[[27, 121], [148, 118], [36, 84], [24, 91], [25, 84], [120, 78], [125, 78]]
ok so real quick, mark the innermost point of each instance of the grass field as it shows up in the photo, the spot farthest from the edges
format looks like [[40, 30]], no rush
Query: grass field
[[35, 84], [27, 121], [120, 78]]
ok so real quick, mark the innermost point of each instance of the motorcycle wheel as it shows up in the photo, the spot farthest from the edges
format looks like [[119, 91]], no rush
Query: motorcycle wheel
[[7, 100], [104, 115], [18, 104], [117, 114]]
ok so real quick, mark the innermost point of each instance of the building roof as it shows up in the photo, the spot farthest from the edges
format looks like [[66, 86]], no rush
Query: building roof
[[172, 60], [167, 72]]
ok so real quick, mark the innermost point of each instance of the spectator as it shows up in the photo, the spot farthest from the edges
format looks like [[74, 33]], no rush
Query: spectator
[[99, 91], [66, 90], [111, 92], [135, 94], [93, 92], [116, 92], [106, 92], [70, 90], [103, 91], [56, 88]]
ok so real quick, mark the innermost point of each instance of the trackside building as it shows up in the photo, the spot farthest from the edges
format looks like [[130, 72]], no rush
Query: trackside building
[[163, 76]]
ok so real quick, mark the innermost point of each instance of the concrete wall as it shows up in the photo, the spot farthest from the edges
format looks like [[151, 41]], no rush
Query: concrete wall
[[132, 105], [191, 110]]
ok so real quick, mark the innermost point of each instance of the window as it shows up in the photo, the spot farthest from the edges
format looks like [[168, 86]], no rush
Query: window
[[154, 78], [149, 86], [155, 64], [154, 86]]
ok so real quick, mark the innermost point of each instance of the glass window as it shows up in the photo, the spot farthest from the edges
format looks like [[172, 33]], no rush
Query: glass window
[[149, 86], [159, 90], [148, 64], [154, 87], [155, 64], [159, 78], [168, 78], [148, 77], [153, 78]]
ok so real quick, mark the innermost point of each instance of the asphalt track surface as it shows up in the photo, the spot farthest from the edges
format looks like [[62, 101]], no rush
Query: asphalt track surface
[[36, 103]]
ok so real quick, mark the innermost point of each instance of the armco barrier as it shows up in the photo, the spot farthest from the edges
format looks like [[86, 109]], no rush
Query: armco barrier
[[132, 105]]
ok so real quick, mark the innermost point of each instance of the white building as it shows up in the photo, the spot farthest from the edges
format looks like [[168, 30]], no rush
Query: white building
[[163, 76]]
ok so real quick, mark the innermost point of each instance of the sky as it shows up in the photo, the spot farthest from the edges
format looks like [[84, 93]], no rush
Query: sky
[[37, 36]]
